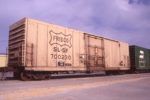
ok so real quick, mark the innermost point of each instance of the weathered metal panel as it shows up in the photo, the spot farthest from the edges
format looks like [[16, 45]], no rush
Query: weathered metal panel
[[124, 53], [139, 58], [42, 45], [94, 52], [53, 46], [16, 24], [77, 48], [3, 60], [16, 43], [60, 46], [116, 55], [32, 29], [112, 58]]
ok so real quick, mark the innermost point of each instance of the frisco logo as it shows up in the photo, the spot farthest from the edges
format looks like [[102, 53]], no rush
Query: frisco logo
[[60, 39]]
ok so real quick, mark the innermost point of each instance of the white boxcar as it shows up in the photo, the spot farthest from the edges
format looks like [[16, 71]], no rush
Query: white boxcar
[[41, 47]]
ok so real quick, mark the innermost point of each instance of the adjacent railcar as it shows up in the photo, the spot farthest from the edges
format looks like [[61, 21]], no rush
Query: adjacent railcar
[[139, 58], [3, 60], [37, 48]]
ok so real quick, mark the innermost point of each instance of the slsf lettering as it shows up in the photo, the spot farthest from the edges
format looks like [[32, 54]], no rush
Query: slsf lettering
[[57, 49]]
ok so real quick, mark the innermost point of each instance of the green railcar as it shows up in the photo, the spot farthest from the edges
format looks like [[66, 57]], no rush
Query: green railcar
[[139, 58]]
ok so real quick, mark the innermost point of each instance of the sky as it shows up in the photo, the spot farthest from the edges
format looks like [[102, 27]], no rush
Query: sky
[[123, 20]]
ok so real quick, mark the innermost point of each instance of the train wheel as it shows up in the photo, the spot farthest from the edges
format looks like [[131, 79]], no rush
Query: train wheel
[[43, 76], [17, 75], [27, 76], [24, 77], [35, 77]]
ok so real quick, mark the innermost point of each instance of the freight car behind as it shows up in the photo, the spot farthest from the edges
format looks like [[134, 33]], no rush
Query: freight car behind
[[37, 49], [3, 60], [140, 59]]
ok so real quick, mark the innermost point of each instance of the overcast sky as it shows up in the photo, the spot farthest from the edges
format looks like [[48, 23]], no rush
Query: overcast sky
[[125, 20]]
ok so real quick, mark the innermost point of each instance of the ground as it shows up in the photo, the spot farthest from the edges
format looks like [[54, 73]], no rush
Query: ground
[[118, 87]]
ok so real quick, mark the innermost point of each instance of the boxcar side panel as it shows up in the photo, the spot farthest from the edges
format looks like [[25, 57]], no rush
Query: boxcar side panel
[[82, 48], [147, 61], [124, 53], [112, 56], [139, 58], [76, 48], [60, 47], [55, 48], [37, 44], [42, 45], [32, 29]]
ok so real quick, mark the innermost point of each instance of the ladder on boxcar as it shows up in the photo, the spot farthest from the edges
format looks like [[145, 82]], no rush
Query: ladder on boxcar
[[25, 56], [29, 55]]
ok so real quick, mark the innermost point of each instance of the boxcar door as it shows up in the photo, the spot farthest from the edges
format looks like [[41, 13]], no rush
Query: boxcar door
[[95, 53]]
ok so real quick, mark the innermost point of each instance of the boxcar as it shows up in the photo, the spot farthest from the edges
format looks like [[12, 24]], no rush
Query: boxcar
[[37, 48], [3, 63], [3, 60], [139, 58]]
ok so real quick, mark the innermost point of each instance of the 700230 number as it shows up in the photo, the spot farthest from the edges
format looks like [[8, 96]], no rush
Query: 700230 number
[[58, 56]]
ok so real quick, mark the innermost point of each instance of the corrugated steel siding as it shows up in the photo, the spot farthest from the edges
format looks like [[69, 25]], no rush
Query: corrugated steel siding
[[116, 55], [94, 52], [16, 44], [54, 48], [139, 58]]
